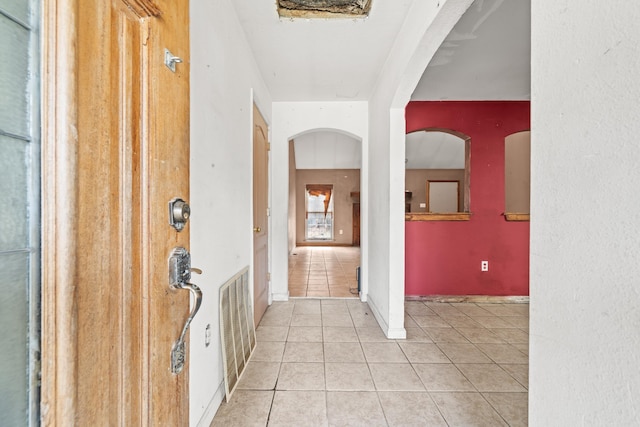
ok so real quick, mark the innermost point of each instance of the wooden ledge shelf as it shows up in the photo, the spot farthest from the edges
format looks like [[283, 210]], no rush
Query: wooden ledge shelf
[[512, 216], [427, 216]]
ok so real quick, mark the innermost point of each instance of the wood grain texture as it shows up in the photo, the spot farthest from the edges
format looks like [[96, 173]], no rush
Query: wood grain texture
[[116, 141], [59, 176], [260, 219], [516, 216], [143, 8], [426, 216]]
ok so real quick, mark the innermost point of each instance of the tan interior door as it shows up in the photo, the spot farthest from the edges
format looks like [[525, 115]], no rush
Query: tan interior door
[[260, 219], [109, 326], [355, 239]]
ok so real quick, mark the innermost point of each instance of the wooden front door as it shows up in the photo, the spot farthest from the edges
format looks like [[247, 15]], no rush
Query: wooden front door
[[115, 152], [260, 217]]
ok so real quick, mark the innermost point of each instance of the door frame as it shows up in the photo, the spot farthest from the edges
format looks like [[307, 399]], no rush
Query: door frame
[[59, 199], [355, 238]]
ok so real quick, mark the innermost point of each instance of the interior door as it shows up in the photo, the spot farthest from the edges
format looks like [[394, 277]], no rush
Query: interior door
[[116, 146], [260, 217], [355, 239]]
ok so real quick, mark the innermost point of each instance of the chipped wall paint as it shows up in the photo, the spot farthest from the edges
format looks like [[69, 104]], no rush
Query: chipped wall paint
[[324, 8]]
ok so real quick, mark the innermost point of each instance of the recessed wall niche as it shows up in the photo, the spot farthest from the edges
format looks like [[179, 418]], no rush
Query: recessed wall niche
[[439, 159]]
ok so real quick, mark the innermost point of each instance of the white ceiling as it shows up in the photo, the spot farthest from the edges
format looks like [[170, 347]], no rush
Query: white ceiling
[[485, 57], [320, 59]]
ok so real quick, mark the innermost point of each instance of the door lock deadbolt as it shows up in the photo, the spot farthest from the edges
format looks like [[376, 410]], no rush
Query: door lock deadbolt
[[179, 213]]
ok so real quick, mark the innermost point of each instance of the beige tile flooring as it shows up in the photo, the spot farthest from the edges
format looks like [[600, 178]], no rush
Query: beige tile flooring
[[323, 271], [323, 362]]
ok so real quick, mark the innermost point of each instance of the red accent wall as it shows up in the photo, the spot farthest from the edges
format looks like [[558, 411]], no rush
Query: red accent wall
[[443, 257]]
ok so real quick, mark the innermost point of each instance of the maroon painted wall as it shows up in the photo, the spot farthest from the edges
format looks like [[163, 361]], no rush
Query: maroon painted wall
[[443, 257]]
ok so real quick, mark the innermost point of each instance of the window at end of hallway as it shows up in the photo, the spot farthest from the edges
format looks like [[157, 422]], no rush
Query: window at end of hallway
[[319, 212]]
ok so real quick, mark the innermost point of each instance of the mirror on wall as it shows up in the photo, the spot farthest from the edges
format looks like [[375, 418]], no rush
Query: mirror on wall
[[436, 172]]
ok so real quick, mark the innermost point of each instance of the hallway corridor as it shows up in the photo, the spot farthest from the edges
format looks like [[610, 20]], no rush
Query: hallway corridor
[[323, 362], [324, 271]]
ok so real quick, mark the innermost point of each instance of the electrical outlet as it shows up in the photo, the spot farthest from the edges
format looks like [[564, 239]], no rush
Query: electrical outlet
[[340, 231], [484, 266]]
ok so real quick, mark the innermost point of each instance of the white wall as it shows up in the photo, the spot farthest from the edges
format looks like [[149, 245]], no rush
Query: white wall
[[585, 223], [291, 119], [426, 26], [222, 77]]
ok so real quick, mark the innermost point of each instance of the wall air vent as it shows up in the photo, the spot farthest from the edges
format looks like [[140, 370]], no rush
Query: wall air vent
[[324, 8], [236, 328]]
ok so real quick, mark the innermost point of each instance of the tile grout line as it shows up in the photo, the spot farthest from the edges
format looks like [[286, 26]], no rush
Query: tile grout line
[[429, 393]]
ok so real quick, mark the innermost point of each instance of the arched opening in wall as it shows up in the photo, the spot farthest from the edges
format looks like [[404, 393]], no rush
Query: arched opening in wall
[[437, 174], [324, 214], [517, 176]]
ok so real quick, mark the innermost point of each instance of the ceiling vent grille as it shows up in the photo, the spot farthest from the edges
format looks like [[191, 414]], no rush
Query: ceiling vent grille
[[236, 328], [324, 8]]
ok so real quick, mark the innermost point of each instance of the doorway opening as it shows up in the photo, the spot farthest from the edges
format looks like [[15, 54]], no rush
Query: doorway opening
[[324, 215]]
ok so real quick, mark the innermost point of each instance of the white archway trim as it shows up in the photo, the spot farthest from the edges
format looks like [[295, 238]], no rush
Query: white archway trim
[[426, 26], [425, 47], [291, 119]]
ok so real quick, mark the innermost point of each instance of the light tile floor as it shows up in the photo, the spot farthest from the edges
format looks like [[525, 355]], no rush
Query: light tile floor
[[326, 362], [323, 271]]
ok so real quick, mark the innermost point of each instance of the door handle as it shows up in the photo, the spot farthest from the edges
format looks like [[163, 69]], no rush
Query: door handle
[[257, 229], [178, 352], [179, 277]]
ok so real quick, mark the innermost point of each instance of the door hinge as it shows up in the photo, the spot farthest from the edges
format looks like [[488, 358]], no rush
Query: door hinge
[[268, 146], [268, 277], [268, 211]]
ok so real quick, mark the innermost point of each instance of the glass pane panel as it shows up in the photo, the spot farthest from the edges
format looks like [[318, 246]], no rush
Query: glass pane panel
[[315, 204], [14, 77], [17, 8], [13, 194], [319, 226], [13, 338]]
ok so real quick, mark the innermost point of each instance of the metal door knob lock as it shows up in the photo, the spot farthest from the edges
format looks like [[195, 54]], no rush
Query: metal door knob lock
[[179, 213]]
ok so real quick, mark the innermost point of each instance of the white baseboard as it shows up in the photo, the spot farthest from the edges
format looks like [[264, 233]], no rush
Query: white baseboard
[[212, 407], [376, 313], [280, 297], [397, 333], [390, 333]]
